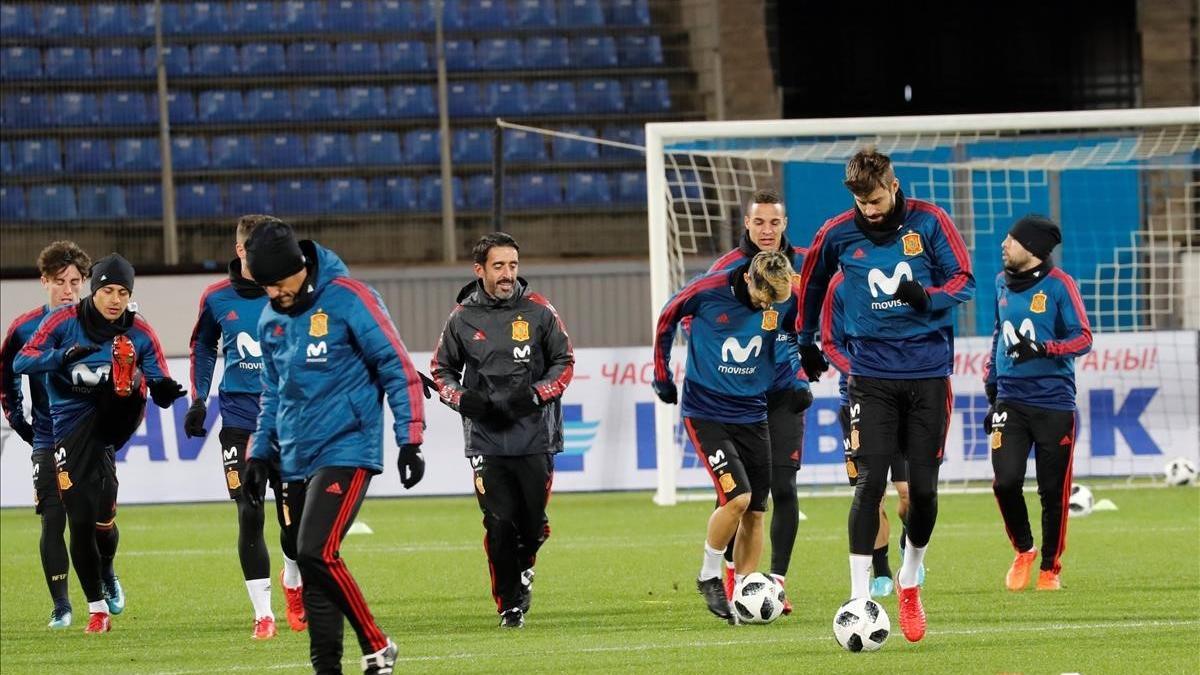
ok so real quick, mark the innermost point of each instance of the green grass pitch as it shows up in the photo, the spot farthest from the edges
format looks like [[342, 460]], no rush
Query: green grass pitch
[[615, 591]]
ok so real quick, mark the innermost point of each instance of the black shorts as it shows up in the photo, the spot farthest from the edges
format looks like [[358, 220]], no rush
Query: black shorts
[[45, 484], [909, 417], [233, 460], [899, 463], [85, 466], [787, 431], [737, 456]]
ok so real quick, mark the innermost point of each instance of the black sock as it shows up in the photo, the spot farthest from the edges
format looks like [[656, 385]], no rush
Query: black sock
[[879, 561], [252, 548], [903, 538], [106, 541], [53, 547]]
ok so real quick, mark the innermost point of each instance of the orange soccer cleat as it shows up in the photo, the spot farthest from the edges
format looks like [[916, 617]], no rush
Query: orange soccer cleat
[[296, 618], [264, 628], [1048, 581], [912, 614], [99, 622], [124, 364], [1018, 575]]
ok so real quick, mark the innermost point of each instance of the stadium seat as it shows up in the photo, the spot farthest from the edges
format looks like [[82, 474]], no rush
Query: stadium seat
[[117, 62], [452, 15], [189, 153], [124, 108], [267, 105], [641, 51], [316, 104], [20, 63], [181, 107], [484, 14], [214, 60], [532, 190], [357, 57], [499, 54], [412, 101], [460, 55], [244, 198], [630, 13], [570, 150], [37, 156], [12, 203], [88, 155], [524, 146], [174, 16], [430, 193], [253, 17], [376, 148], [263, 58], [471, 146], [422, 146], [349, 16], [347, 195], [394, 193], [552, 97], [506, 98], [580, 13], [623, 134], [198, 200], [330, 150], [546, 53], [400, 16], [281, 151], [144, 201], [68, 63], [364, 103], [295, 197], [588, 188], [600, 96], [232, 152], [401, 57], [479, 192], [110, 20], [17, 21], [138, 154], [299, 16], [102, 202], [52, 202], [61, 20], [177, 59], [75, 109], [6, 163], [534, 14], [219, 106], [597, 51], [464, 99], [310, 57], [649, 95], [26, 110], [206, 18], [631, 187]]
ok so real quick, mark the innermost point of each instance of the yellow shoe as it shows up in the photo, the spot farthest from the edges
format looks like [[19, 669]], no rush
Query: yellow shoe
[[1048, 581], [1018, 575]]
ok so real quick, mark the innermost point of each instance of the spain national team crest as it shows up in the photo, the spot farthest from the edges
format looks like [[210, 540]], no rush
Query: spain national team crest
[[318, 324], [770, 319], [997, 440], [520, 330], [727, 483], [1038, 304], [851, 469], [479, 485], [912, 244], [64, 480], [854, 439], [233, 479]]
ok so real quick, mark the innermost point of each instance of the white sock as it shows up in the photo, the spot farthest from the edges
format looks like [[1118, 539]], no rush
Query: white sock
[[860, 576], [778, 578], [98, 607], [729, 564], [711, 567], [260, 597], [737, 579], [291, 573], [909, 569]]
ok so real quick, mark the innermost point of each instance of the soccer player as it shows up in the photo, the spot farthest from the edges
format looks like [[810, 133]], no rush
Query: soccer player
[[1041, 326], [503, 362], [736, 318], [906, 268], [63, 266], [98, 356], [330, 352], [789, 396], [229, 313]]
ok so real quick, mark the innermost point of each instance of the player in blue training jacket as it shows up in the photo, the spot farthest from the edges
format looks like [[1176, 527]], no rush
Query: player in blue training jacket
[[63, 266], [228, 316], [98, 356], [906, 268], [788, 398], [1041, 326], [736, 317], [330, 353]]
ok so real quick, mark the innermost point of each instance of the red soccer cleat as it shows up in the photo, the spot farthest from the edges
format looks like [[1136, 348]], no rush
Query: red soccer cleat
[[730, 582], [99, 622], [787, 602], [296, 618], [264, 628], [912, 614], [1018, 573], [124, 365]]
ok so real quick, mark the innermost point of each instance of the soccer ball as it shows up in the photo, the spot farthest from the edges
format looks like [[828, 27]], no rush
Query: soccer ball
[[1180, 471], [1081, 501], [861, 625], [757, 599]]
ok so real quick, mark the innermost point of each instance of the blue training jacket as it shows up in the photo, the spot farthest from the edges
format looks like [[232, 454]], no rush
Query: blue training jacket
[[11, 398], [325, 372], [885, 337], [1050, 312], [833, 336]]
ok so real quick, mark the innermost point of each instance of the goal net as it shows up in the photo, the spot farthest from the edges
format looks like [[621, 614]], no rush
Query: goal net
[[1124, 185]]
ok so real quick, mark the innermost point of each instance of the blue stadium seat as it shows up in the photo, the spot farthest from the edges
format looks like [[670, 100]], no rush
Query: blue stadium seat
[[364, 103], [349, 16], [118, 62], [464, 99], [52, 202], [6, 163], [19, 63], [649, 95], [254, 17], [415, 100], [597, 51], [68, 62], [174, 17], [220, 106], [316, 104], [207, 18], [75, 109], [546, 53], [452, 15], [62, 21], [471, 146], [570, 150], [460, 55], [281, 151], [401, 57], [630, 13], [421, 146], [430, 193], [299, 16], [357, 57], [484, 14], [588, 188], [12, 203], [479, 192], [641, 51], [126, 108], [267, 105], [26, 110], [600, 96], [87, 155], [102, 202], [631, 187], [524, 146], [264, 58], [189, 153], [347, 195], [214, 60], [177, 58], [532, 190], [144, 201], [534, 14], [506, 98], [310, 57], [375, 148], [499, 54], [245, 198], [110, 20], [198, 200], [394, 193], [17, 21], [232, 152], [37, 156], [400, 16], [580, 13], [330, 150], [138, 154], [181, 107], [552, 97], [295, 197]]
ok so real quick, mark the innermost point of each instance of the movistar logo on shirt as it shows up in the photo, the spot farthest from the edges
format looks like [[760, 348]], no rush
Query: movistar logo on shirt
[[886, 285], [1010, 332], [84, 378], [250, 350], [732, 349]]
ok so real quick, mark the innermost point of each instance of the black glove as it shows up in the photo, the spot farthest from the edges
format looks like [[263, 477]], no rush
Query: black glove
[[666, 391], [165, 391], [813, 362], [77, 352], [410, 464], [1026, 350], [193, 422], [987, 418], [990, 389], [913, 294], [254, 481], [23, 429], [523, 403], [801, 399], [473, 404], [428, 385]]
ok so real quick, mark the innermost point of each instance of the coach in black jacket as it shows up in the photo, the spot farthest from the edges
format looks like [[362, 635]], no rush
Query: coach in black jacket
[[503, 362]]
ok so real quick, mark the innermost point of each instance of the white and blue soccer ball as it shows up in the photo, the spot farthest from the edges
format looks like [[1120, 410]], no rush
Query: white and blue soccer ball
[[861, 625], [1081, 501], [1180, 471], [758, 599]]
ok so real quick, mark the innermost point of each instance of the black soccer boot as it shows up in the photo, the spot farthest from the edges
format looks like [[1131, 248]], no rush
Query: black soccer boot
[[381, 662], [714, 594], [512, 618]]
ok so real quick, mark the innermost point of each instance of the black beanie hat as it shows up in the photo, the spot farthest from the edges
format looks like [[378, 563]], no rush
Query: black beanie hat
[[272, 253], [1038, 234], [112, 269]]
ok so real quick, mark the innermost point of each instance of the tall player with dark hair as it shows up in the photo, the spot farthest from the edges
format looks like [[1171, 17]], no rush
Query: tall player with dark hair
[[906, 268], [64, 267], [1041, 326]]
